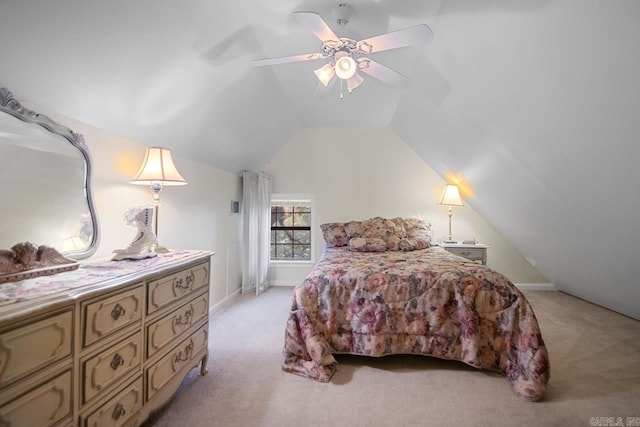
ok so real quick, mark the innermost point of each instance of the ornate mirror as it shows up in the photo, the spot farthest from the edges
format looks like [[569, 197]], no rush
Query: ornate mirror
[[44, 183]]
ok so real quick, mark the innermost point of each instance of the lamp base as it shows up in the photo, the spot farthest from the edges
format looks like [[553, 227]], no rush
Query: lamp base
[[449, 241]]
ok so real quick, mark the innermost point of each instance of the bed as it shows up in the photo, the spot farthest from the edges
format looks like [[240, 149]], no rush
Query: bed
[[381, 288]]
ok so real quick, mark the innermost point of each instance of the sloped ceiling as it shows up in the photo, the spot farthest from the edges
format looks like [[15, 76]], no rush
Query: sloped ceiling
[[533, 105]]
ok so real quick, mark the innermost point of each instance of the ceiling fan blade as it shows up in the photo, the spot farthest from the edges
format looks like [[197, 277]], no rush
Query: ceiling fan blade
[[287, 59], [317, 25], [384, 74], [401, 38]]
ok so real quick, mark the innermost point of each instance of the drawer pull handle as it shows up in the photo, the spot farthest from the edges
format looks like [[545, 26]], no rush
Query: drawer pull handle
[[187, 318], [118, 311], [189, 279], [117, 361], [118, 411], [466, 253], [180, 284], [184, 357]]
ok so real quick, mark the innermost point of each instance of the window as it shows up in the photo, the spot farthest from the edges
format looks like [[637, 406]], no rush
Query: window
[[290, 230]]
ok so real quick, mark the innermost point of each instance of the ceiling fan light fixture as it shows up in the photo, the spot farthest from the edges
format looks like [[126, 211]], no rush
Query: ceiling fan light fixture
[[347, 57], [354, 82], [345, 65], [325, 74]]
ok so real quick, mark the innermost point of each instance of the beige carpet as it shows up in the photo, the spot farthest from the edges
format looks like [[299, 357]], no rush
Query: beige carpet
[[595, 372]]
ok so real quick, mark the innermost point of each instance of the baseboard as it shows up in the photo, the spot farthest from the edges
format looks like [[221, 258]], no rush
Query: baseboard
[[225, 302], [284, 283], [546, 286]]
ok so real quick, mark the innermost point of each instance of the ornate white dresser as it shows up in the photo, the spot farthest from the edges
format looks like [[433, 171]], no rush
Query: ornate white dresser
[[104, 345]]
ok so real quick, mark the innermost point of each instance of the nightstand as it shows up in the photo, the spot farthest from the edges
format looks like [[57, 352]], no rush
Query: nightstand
[[476, 253]]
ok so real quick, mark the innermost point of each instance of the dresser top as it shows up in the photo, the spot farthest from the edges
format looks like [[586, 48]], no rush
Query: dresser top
[[90, 275]]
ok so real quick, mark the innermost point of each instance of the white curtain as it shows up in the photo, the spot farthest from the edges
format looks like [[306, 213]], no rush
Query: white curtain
[[256, 212]]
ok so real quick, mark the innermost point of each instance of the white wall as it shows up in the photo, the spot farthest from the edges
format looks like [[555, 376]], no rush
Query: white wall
[[540, 112], [195, 216], [358, 173]]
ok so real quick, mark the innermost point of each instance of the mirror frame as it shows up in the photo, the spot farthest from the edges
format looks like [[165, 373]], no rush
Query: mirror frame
[[11, 106]]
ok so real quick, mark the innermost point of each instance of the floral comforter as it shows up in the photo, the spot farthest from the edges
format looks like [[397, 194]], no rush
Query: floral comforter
[[428, 302]]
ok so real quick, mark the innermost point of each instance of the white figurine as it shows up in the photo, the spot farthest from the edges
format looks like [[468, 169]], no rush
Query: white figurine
[[144, 242]]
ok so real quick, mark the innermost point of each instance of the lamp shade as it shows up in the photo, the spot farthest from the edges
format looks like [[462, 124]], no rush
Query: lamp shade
[[354, 82], [451, 196], [325, 74], [158, 167], [345, 65]]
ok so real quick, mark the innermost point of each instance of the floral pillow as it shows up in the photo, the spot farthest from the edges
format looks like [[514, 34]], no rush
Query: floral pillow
[[334, 234], [418, 234], [355, 228], [367, 244], [416, 227], [413, 244], [389, 230], [393, 242]]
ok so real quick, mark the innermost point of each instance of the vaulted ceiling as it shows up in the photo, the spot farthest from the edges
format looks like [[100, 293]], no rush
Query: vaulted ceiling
[[534, 103]]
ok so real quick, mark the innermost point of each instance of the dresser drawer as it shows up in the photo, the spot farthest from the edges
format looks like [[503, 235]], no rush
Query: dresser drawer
[[119, 409], [45, 405], [164, 291], [170, 365], [52, 337], [111, 365], [107, 315], [163, 331]]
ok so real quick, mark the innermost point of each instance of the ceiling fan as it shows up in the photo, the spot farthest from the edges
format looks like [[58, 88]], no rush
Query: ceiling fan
[[346, 57]]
